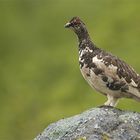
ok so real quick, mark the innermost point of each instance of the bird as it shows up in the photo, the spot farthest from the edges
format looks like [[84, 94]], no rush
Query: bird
[[104, 72]]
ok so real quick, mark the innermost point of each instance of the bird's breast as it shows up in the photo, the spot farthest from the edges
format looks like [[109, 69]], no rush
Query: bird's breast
[[91, 73]]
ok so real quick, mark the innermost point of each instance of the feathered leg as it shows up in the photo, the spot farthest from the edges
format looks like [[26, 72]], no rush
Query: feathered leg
[[112, 101]]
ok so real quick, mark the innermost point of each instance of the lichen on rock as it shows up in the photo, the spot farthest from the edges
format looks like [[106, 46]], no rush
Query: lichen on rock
[[103, 123]]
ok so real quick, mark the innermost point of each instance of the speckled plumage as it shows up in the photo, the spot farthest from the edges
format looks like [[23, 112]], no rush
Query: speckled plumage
[[103, 71]]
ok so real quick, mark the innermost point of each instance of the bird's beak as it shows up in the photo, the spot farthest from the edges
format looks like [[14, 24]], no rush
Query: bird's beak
[[67, 25]]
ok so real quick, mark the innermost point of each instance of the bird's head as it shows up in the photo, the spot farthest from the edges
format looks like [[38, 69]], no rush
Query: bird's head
[[77, 26]]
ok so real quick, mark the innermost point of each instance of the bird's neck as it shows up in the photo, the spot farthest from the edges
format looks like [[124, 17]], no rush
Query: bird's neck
[[86, 42], [83, 35], [84, 39]]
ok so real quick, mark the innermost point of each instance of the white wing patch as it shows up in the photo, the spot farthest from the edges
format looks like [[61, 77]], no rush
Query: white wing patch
[[110, 71], [133, 83]]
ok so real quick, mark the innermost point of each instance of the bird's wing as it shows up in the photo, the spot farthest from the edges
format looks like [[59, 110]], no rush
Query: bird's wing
[[119, 74]]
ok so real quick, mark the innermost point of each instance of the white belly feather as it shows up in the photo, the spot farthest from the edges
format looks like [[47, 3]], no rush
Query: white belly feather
[[97, 83]]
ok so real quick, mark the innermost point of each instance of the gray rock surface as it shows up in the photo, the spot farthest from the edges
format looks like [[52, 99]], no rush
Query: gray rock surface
[[103, 123]]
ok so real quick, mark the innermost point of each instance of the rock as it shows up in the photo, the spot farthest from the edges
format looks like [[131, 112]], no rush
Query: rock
[[103, 123]]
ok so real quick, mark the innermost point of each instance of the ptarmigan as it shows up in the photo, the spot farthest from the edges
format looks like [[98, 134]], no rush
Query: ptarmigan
[[103, 71]]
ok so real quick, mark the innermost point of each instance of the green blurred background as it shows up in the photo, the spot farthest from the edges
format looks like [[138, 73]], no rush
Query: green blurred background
[[40, 81]]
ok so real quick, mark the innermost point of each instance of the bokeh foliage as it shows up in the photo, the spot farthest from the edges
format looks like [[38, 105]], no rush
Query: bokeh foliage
[[40, 78]]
